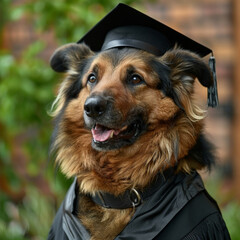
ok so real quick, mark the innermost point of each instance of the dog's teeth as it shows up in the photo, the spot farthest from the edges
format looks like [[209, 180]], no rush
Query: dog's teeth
[[124, 128], [111, 136]]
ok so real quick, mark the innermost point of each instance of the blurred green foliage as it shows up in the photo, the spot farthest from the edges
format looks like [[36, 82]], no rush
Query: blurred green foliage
[[230, 208], [30, 191], [231, 214]]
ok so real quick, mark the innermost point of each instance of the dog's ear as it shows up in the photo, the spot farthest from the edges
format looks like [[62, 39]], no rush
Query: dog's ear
[[185, 67], [69, 56]]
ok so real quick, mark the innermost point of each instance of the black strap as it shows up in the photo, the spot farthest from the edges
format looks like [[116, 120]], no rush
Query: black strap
[[134, 44], [197, 209], [131, 198]]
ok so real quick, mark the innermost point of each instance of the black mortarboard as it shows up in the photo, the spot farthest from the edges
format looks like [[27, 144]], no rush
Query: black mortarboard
[[126, 27]]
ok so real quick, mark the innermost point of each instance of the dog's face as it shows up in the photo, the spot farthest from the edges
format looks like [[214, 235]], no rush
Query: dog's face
[[113, 110], [122, 104]]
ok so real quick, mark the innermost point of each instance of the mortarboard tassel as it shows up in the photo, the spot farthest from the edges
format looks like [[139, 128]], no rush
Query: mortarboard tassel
[[212, 90]]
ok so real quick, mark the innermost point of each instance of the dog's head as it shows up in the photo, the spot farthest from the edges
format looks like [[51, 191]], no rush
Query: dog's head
[[123, 115]]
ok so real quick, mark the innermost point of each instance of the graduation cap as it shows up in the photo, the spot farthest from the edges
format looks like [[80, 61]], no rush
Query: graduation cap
[[124, 26]]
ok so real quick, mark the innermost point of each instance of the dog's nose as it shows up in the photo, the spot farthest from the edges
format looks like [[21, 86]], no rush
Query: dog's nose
[[95, 106]]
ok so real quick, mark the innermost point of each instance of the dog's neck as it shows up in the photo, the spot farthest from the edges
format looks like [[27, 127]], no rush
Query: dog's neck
[[134, 166], [111, 173], [131, 198]]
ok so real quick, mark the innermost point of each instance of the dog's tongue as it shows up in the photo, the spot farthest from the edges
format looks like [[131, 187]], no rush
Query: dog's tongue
[[102, 134]]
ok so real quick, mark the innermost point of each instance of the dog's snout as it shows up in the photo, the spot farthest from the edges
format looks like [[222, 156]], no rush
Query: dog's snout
[[95, 106]]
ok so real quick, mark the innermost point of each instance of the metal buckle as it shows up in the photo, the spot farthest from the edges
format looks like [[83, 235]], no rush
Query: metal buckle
[[135, 197]]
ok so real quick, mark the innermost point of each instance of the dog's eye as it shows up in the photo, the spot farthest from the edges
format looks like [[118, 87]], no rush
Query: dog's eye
[[92, 78], [136, 79]]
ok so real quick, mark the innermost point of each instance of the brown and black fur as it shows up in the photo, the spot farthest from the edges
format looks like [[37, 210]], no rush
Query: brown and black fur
[[151, 95]]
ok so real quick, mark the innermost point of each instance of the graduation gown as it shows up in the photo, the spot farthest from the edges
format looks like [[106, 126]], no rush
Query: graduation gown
[[180, 209]]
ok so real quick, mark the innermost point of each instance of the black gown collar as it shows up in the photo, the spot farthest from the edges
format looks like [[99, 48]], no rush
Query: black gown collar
[[152, 215]]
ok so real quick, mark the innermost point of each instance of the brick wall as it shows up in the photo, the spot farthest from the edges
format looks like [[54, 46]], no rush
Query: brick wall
[[210, 23]]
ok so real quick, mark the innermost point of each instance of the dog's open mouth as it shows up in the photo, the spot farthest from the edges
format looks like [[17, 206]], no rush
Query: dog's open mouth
[[112, 138], [102, 134]]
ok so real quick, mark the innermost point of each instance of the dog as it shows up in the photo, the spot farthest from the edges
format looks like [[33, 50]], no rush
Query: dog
[[126, 123]]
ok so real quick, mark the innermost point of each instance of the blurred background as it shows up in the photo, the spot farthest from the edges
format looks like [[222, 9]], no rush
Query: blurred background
[[30, 187]]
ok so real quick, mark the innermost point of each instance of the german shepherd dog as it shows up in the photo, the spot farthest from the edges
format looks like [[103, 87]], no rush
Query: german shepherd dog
[[122, 116]]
